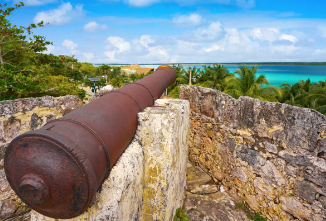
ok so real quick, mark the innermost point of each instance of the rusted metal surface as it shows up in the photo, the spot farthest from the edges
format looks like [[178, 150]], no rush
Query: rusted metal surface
[[57, 170]]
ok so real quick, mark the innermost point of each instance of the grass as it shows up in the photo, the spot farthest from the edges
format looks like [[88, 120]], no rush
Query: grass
[[180, 215], [249, 213]]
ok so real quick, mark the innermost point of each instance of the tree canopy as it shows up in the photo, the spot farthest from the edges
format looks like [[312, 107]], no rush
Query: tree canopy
[[24, 70]]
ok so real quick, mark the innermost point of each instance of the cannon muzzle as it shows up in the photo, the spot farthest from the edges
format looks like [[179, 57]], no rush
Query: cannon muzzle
[[57, 169]]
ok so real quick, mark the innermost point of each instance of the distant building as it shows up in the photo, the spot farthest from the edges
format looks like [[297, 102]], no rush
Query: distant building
[[136, 69]]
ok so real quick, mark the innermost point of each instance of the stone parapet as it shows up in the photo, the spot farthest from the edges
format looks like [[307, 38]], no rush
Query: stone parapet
[[270, 155], [148, 181]]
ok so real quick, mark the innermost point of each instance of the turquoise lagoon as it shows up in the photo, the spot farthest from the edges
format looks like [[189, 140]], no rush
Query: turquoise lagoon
[[276, 74]]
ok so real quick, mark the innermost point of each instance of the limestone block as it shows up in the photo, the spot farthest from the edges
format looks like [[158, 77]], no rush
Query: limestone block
[[263, 188], [239, 172], [270, 147], [271, 171], [164, 139], [306, 190], [293, 206]]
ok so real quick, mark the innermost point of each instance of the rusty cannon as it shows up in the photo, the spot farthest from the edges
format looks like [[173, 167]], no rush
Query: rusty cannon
[[57, 169]]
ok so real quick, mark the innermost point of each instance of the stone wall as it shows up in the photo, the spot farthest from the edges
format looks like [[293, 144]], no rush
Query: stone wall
[[17, 117], [148, 181], [269, 155]]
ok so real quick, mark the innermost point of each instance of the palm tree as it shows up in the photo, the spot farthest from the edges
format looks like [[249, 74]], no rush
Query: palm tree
[[194, 73], [174, 89], [114, 72], [288, 94], [320, 91], [214, 77], [247, 84], [103, 70], [120, 80], [311, 95]]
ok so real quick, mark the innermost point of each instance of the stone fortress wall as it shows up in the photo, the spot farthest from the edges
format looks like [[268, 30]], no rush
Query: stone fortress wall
[[148, 181], [270, 155]]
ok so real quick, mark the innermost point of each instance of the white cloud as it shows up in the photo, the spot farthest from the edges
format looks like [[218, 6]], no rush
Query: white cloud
[[119, 43], [50, 49], [88, 56], [144, 3], [94, 27], [35, 2], [257, 37], [70, 45], [272, 35], [145, 40], [188, 20], [236, 45], [213, 32], [246, 3], [141, 3], [322, 31], [137, 51], [265, 34], [234, 36], [288, 38], [62, 15], [320, 52], [214, 47], [117, 46]]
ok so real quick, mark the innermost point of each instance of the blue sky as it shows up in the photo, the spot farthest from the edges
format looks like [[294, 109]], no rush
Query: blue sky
[[180, 31]]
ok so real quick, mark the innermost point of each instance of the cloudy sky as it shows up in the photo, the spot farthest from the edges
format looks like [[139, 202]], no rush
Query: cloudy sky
[[179, 31]]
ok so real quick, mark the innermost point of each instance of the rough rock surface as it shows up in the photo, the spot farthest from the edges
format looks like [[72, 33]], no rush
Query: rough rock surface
[[206, 200], [17, 117], [164, 136], [270, 155]]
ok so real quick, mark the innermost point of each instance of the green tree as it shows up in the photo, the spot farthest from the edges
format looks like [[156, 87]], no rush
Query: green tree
[[305, 94], [288, 94], [214, 77], [120, 80], [88, 69], [18, 45], [311, 95], [24, 70], [114, 72], [174, 89], [104, 70], [320, 96], [247, 84], [195, 75], [136, 77]]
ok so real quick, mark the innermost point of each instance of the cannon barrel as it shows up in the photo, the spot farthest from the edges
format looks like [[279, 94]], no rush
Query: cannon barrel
[[57, 169]]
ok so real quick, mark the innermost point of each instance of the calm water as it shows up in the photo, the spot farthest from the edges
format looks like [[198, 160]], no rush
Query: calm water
[[276, 75]]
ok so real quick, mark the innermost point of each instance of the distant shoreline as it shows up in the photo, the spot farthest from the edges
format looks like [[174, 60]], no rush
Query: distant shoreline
[[242, 63]]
